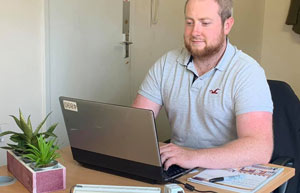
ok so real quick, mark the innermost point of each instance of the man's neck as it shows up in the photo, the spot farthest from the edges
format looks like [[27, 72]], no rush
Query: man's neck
[[205, 64]]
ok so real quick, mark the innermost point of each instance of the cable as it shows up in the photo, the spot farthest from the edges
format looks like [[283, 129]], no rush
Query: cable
[[191, 187]]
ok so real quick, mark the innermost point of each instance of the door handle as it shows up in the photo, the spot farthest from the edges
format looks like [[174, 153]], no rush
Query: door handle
[[126, 43]]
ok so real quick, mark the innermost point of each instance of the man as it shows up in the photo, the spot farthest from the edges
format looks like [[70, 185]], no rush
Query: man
[[216, 97]]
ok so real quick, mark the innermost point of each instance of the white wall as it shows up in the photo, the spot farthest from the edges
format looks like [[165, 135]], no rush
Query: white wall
[[247, 32], [280, 46], [21, 63], [151, 42]]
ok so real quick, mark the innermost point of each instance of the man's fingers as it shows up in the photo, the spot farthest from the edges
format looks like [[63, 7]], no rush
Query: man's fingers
[[165, 148], [166, 155], [170, 155], [168, 159], [163, 158], [168, 163]]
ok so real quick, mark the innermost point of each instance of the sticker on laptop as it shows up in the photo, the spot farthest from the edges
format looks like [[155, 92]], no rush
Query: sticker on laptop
[[70, 105]]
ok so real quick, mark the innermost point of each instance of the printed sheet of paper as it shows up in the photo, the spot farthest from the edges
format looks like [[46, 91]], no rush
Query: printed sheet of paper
[[249, 178]]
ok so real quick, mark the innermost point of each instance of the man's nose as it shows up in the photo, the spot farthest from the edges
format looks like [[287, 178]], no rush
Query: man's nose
[[197, 30]]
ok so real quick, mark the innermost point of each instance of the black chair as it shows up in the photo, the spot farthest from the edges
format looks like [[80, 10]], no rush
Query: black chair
[[286, 126]]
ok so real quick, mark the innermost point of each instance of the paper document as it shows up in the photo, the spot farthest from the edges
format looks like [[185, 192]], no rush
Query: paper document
[[251, 179]]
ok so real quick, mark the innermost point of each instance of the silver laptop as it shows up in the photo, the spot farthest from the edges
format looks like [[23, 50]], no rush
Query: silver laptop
[[117, 139]]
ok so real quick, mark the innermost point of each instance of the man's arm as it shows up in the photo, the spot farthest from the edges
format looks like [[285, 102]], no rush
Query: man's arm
[[253, 146], [144, 103]]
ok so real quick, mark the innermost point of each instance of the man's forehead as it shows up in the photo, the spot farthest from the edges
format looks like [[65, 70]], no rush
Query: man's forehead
[[202, 8], [210, 3], [188, 1]]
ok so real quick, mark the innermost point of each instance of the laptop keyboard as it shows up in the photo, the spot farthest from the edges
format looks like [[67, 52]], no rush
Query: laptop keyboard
[[174, 170]]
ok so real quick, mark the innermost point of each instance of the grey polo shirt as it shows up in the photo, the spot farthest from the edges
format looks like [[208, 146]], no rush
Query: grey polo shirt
[[202, 113]]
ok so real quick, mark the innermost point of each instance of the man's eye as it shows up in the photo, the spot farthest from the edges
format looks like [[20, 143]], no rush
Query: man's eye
[[205, 23], [189, 22]]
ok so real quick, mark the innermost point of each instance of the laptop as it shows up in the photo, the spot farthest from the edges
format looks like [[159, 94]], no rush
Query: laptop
[[117, 139]]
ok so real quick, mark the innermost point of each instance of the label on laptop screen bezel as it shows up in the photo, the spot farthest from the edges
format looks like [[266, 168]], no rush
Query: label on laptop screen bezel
[[70, 105]]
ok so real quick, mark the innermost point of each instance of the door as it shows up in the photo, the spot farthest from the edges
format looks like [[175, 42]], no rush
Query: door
[[85, 55]]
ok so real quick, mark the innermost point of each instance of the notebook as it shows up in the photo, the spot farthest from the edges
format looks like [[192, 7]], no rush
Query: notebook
[[117, 139]]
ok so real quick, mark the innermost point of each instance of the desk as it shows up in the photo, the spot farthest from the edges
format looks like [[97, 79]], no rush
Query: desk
[[77, 174]]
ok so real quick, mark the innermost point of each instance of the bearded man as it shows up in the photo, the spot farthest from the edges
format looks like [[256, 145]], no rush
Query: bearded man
[[216, 97]]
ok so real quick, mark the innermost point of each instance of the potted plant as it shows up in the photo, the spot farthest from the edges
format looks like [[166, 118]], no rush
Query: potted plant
[[28, 135], [44, 156], [32, 144]]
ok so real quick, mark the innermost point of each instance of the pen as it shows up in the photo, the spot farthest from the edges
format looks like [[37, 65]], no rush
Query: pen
[[225, 178]]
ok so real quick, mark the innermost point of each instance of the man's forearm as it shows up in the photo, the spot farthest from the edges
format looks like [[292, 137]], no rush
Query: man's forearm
[[238, 153]]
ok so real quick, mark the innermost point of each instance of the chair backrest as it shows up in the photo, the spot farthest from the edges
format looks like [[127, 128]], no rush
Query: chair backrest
[[286, 125]]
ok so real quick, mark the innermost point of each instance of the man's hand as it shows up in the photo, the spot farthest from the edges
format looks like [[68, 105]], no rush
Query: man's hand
[[174, 154]]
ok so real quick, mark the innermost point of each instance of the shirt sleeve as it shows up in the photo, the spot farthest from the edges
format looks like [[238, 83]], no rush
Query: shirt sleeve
[[252, 92], [151, 86]]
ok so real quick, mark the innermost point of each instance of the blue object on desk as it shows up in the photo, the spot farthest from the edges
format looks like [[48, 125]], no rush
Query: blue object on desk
[[7, 180]]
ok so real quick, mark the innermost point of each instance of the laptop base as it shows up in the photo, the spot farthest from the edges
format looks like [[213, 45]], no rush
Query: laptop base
[[117, 166]]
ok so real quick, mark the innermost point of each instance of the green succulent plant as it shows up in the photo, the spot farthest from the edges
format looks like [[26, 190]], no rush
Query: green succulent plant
[[28, 136], [43, 154]]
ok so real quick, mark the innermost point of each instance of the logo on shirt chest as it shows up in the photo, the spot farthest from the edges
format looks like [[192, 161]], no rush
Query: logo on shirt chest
[[216, 91]]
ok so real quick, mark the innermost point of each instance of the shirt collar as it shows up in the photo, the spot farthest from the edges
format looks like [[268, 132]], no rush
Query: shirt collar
[[185, 58], [190, 60], [227, 56]]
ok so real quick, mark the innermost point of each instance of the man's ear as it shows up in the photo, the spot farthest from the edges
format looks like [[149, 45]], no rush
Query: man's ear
[[228, 25]]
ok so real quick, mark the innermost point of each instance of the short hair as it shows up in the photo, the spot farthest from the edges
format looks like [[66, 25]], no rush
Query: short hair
[[225, 11]]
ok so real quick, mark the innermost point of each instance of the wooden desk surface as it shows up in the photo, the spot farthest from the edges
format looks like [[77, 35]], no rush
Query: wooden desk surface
[[77, 174]]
